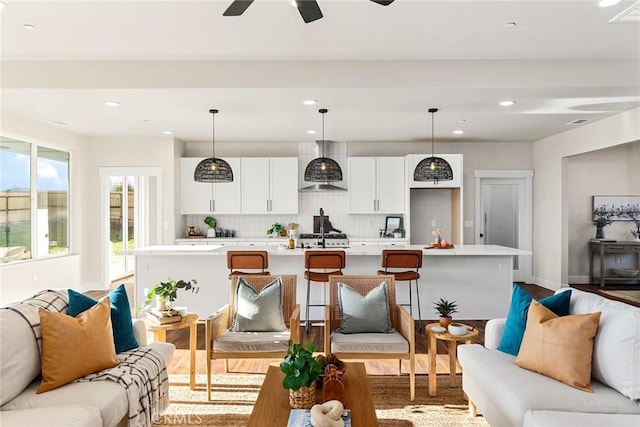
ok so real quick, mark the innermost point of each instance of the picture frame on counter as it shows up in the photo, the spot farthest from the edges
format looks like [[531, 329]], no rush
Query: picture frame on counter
[[391, 223]]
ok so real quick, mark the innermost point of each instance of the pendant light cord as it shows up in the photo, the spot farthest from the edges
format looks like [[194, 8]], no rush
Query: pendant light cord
[[213, 140], [323, 111], [433, 153]]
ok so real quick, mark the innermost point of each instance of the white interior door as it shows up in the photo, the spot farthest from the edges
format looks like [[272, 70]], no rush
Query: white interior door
[[504, 214]]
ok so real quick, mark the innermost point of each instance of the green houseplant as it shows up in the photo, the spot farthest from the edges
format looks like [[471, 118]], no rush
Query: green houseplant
[[301, 370], [398, 232], [167, 292], [445, 309], [277, 229]]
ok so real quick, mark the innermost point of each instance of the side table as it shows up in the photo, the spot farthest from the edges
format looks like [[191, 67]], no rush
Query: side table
[[188, 321], [453, 340]]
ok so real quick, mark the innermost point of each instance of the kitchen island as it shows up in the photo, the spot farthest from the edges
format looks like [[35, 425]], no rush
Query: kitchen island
[[478, 277]]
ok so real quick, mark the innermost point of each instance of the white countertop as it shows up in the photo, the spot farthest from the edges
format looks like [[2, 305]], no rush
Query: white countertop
[[461, 250]]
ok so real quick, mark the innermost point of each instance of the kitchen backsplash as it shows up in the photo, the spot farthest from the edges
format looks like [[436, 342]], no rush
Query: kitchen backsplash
[[335, 205]]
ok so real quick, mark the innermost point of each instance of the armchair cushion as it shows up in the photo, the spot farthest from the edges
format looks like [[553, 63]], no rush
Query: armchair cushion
[[258, 311], [517, 316], [123, 334], [364, 314], [252, 342], [369, 343]]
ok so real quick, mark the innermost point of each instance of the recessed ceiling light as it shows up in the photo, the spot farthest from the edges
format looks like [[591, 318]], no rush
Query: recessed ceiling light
[[458, 132], [506, 103], [607, 3], [29, 27], [167, 132], [509, 25], [311, 132], [310, 102], [112, 103], [462, 121]]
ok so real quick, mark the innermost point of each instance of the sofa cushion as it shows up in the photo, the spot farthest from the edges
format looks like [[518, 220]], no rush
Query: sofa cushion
[[517, 316], [120, 315], [559, 347], [578, 419], [19, 355], [108, 397], [369, 343], [73, 347], [53, 416], [498, 381], [364, 314], [616, 349], [258, 311]]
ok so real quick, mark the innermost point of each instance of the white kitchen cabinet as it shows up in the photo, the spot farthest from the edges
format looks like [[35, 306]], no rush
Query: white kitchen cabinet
[[376, 185], [207, 198], [270, 185]]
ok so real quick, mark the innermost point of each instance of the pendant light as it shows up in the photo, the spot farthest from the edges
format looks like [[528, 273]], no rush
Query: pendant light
[[433, 168], [213, 169], [323, 169]]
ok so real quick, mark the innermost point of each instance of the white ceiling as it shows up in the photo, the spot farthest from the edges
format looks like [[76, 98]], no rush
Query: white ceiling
[[377, 69]]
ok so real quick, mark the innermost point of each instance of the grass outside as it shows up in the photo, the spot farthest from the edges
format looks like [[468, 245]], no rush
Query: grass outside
[[119, 246]]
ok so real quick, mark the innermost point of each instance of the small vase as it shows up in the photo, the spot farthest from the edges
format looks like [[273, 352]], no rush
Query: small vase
[[600, 233], [438, 239], [161, 304], [445, 321], [303, 398]]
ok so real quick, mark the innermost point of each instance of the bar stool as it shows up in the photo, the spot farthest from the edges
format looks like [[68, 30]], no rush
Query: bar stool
[[397, 259], [324, 260], [253, 260]]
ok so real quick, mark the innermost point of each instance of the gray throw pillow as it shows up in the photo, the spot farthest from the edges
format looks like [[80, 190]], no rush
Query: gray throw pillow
[[258, 312], [364, 314]]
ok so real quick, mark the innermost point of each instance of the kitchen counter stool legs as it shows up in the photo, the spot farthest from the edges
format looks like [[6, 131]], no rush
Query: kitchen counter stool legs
[[319, 265]]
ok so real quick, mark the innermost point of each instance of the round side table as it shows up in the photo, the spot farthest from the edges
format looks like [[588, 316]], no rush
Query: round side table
[[190, 321], [453, 340]]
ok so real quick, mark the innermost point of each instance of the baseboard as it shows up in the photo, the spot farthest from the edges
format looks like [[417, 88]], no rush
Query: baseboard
[[547, 283], [579, 280]]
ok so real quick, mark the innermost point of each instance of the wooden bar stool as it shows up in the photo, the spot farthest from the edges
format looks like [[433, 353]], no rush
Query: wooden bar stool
[[399, 260], [257, 261], [331, 263]]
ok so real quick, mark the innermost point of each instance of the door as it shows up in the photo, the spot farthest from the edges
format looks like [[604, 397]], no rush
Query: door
[[504, 214]]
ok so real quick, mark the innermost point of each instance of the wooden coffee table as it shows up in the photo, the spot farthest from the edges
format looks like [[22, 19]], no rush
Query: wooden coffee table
[[272, 407]]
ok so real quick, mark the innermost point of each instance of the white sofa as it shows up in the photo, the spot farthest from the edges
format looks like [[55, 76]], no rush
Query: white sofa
[[86, 404], [507, 395]]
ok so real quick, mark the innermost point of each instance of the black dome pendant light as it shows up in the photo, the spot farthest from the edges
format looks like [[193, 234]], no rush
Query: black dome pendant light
[[433, 168], [323, 169], [213, 169]]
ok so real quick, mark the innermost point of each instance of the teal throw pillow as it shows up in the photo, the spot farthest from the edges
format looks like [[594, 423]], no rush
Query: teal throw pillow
[[258, 311], [364, 314], [517, 316], [120, 315]]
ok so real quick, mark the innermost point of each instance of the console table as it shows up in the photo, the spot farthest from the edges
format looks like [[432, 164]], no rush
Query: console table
[[606, 250]]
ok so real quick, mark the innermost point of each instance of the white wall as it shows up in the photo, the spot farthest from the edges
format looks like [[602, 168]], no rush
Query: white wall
[[550, 193], [611, 171]]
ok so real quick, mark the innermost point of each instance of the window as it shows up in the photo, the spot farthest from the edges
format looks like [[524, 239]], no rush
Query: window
[[29, 172]]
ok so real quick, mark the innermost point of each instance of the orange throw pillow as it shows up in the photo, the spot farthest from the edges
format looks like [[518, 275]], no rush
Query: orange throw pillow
[[73, 347], [559, 347]]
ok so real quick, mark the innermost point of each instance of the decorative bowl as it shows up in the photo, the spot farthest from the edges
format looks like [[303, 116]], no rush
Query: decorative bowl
[[457, 329], [625, 272]]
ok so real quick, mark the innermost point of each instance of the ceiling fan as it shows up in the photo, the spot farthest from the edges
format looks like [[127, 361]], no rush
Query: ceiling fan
[[309, 9]]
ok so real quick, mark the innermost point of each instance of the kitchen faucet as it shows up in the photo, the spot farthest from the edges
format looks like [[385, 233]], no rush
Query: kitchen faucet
[[322, 242]]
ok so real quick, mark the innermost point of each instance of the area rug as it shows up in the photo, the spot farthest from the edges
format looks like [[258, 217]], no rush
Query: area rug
[[633, 295], [234, 395]]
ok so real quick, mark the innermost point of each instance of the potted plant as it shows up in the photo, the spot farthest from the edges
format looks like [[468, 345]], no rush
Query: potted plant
[[398, 232], [212, 223], [445, 309], [600, 222], [277, 229], [167, 292], [301, 371]]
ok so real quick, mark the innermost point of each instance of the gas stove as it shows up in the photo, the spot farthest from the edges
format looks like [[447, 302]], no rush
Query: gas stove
[[332, 240]]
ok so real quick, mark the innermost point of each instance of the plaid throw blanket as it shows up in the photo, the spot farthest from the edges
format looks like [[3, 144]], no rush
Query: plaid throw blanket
[[141, 371]]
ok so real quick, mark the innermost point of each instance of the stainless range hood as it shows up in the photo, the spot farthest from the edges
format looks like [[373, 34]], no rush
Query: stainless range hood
[[332, 149]]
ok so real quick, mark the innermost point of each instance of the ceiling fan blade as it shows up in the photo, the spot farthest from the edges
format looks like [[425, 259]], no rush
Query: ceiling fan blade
[[383, 2], [237, 8], [309, 10]]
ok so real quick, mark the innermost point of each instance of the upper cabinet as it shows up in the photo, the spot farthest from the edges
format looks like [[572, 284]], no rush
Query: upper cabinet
[[376, 185], [455, 161], [206, 198], [270, 185]]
